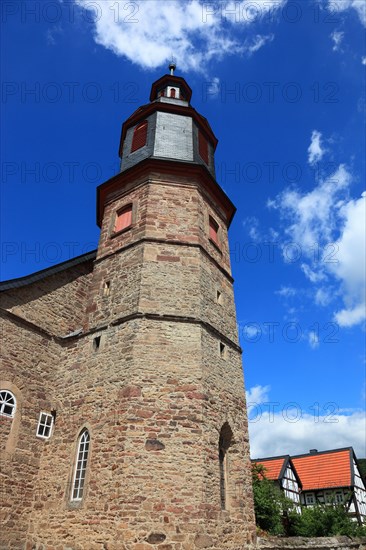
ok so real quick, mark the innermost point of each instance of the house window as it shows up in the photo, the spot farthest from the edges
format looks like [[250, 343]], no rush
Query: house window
[[203, 147], [139, 136], [225, 441], [310, 499], [123, 218], [214, 231], [339, 497], [80, 466], [7, 403], [45, 424]]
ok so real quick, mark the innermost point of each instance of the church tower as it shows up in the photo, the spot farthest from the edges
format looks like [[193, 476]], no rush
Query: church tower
[[149, 448]]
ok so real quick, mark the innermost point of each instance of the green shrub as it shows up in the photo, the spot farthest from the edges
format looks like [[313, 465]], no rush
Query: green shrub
[[324, 521], [276, 514]]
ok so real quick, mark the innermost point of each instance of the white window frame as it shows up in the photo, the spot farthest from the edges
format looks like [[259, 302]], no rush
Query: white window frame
[[5, 397], [81, 464], [310, 499], [44, 425]]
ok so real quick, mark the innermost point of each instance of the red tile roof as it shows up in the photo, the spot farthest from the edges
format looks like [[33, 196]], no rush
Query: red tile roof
[[273, 467], [324, 470]]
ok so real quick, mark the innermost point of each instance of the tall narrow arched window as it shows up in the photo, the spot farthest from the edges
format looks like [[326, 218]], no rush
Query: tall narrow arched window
[[78, 484], [7, 403], [172, 92], [225, 440], [139, 136]]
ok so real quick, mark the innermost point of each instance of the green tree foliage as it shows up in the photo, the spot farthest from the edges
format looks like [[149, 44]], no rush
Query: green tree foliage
[[276, 514], [270, 505], [324, 521]]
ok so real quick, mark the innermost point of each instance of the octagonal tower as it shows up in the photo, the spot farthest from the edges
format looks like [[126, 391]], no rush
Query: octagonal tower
[[151, 438]]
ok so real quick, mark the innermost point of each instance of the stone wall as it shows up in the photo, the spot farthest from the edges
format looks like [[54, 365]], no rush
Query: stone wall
[[55, 303], [154, 394]]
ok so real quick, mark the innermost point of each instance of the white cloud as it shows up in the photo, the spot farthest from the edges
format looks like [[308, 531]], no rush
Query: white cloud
[[337, 37], [286, 291], [313, 214], [350, 266], [313, 276], [52, 34], [275, 434], [342, 5], [315, 150], [313, 339], [329, 229], [247, 11], [256, 396], [258, 42], [277, 429], [251, 224], [213, 88], [363, 60], [322, 297], [194, 31]]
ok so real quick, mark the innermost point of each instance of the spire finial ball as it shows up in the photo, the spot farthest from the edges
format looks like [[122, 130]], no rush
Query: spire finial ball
[[172, 67]]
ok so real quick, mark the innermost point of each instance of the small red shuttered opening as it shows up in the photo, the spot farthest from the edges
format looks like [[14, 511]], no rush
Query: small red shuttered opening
[[203, 147], [213, 231], [139, 136], [124, 218]]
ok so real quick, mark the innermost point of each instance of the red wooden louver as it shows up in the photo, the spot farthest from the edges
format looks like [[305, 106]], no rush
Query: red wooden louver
[[203, 147], [124, 218], [213, 231], [139, 136]]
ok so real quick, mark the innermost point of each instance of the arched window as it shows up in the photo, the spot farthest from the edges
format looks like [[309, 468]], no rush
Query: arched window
[[139, 136], [80, 466], [172, 92], [225, 440], [7, 403]]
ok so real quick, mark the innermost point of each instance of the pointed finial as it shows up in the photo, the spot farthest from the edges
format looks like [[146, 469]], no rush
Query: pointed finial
[[172, 66]]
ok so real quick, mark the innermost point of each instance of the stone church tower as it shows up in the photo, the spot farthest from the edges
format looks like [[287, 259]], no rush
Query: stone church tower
[[123, 419]]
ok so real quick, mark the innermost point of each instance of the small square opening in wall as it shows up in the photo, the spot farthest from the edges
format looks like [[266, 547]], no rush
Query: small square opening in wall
[[106, 289], [96, 343], [45, 424], [218, 297], [223, 350]]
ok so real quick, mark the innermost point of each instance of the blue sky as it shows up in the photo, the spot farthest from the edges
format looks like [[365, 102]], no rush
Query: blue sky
[[282, 84]]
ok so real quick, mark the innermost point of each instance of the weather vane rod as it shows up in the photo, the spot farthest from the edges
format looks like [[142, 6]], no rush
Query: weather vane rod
[[172, 66]]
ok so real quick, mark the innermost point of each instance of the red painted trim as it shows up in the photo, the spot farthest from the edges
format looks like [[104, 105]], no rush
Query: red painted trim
[[145, 167]]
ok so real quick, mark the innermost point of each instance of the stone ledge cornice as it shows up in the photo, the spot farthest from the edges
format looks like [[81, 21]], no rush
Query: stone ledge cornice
[[64, 341]]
